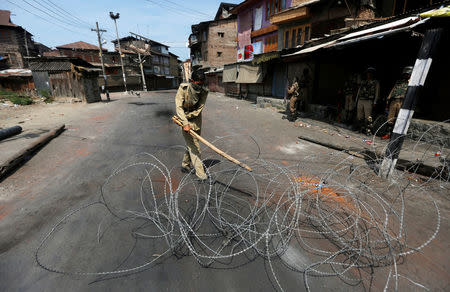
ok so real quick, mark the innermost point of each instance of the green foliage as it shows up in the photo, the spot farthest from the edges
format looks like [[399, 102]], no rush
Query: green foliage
[[21, 100], [46, 95], [15, 98]]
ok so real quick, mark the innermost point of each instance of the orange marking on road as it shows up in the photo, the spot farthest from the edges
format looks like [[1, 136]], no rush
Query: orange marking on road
[[4, 211], [82, 152], [100, 118]]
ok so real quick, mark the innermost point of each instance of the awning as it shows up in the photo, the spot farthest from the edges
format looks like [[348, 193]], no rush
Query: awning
[[376, 35], [442, 12], [310, 49], [374, 32], [250, 74], [387, 26], [229, 73]]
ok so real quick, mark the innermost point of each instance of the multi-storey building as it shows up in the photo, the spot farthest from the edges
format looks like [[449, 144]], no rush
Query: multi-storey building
[[213, 43], [16, 43]]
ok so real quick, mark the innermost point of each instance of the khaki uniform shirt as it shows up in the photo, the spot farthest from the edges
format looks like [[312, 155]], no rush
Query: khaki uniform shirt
[[187, 112]]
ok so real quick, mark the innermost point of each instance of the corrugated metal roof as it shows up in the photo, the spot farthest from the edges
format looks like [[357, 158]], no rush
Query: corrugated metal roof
[[51, 66], [15, 72]]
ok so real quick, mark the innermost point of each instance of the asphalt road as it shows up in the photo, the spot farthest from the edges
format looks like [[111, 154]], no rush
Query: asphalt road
[[69, 172]]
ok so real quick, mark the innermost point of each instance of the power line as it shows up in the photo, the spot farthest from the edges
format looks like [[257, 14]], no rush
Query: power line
[[39, 16], [68, 13], [174, 10], [45, 12], [56, 12], [196, 11]]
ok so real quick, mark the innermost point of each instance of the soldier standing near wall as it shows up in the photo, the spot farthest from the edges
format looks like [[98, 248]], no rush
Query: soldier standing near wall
[[350, 91], [190, 102], [395, 99], [294, 100], [367, 97]]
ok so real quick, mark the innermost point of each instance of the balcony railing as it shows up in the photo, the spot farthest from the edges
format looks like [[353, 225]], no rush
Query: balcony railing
[[193, 40]]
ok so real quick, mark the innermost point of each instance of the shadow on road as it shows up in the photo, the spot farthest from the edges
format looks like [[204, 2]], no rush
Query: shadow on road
[[142, 103]]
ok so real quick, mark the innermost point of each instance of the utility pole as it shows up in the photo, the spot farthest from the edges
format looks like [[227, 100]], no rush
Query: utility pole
[[142, 71], [26, 44], [115, 17], [101, 58], [427, 52]]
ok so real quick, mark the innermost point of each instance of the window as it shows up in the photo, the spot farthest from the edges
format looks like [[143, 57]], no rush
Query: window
[[271, 43], [307, 33], [274, 6], [221, 34], [296, 36], [286, 39], [219, 54], [299, 37]]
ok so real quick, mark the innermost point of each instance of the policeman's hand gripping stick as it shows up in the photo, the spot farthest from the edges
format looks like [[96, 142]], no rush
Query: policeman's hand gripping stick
[[177, 121]]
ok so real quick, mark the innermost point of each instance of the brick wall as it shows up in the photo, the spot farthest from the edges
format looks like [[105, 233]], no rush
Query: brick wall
[[88, 56], [222, 42]]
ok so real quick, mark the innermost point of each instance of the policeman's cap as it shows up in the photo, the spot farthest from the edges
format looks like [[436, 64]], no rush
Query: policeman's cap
[[371, 70]]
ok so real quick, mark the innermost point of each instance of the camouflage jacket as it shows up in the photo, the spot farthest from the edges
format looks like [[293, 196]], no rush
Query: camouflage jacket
[[399, 90], [369, 90]]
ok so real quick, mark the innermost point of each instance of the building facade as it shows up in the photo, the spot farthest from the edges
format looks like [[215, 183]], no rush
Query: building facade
[[16, 43], [213, 43]]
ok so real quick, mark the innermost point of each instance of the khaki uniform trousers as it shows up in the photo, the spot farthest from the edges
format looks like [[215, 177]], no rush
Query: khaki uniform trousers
[[349, 102], [394, 109], [364, 109], [192, 155], [293, 102]]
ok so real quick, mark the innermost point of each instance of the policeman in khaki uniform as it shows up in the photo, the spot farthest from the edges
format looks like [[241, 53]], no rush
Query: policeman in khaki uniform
[[190, 102], [367, 97], [395, 99]]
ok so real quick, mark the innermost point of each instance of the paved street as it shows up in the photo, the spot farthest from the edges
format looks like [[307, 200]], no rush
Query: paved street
[[70, 171]]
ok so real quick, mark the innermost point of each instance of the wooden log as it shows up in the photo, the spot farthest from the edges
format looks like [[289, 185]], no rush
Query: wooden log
[[214, 148], [22, 156]]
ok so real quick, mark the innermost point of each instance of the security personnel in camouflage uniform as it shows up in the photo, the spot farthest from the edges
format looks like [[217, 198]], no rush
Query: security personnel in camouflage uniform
[[367, 97], [395, 99], [294, 100], [190, 102]]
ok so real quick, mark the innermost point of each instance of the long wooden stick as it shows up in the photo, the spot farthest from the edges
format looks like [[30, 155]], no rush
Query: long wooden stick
[[214, 148]]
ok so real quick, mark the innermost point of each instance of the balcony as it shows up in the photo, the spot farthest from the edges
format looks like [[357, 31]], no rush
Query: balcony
[[289, 15], [193, 40]]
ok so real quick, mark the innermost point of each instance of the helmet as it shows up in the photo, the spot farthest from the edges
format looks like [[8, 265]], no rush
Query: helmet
[[198, 75], [407, 70]]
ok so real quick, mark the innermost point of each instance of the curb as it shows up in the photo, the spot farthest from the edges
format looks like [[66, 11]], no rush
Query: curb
[[402, 164], [19, 158]]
